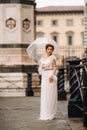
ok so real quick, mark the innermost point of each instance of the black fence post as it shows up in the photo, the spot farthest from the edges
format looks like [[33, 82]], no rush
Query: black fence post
[[29, 90], [84, 88], [75, 103], [60, 84]]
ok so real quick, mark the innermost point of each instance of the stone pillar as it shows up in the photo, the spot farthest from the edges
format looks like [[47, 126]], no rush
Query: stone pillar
[[85, 29], [17, 31]]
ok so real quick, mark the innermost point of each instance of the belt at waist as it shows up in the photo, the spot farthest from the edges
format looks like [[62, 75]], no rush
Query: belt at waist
[[48, 69]]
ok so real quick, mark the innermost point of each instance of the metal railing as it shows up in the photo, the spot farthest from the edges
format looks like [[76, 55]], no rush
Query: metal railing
[[77, 105]]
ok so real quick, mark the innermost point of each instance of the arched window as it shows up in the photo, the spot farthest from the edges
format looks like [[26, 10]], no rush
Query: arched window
[[70, 38], [54, 36], [39, 34], [82, 37]]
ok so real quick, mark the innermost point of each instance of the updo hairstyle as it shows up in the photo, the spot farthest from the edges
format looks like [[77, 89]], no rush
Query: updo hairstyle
[[49, 45]]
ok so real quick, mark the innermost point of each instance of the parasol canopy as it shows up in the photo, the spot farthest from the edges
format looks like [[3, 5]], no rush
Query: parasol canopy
[[37, 48]]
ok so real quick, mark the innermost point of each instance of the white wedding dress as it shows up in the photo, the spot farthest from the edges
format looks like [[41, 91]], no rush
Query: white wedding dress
[[48, 106]]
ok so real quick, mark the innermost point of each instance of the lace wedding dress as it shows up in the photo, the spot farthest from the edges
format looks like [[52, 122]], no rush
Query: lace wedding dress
[[48, 106]]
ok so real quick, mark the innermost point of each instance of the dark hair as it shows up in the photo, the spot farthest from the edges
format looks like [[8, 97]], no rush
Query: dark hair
[[49, 45]]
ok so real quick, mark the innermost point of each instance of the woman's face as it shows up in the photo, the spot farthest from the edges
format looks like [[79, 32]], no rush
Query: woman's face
[[49, 50]]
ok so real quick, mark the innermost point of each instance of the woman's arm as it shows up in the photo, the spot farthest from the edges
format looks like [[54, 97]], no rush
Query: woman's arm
[[54, 66], [54, 71]]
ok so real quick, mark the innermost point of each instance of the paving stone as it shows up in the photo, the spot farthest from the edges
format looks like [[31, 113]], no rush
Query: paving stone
[[22, 113]]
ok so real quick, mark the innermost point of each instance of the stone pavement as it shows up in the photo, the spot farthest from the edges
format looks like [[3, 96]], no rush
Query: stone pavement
[[22, 113]]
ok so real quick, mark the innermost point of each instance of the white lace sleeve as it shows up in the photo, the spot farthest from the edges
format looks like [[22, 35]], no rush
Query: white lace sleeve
[[53, 57]]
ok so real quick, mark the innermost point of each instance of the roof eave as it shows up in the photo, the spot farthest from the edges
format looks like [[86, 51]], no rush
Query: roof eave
[[59, 12]]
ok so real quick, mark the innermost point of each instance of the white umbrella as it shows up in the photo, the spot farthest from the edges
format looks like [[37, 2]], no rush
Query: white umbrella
[[37, 48]]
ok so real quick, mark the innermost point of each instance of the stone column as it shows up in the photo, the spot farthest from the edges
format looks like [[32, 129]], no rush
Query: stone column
[[17, 31], [85, 29]]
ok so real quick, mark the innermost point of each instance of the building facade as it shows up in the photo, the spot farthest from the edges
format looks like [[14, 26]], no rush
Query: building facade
[[64, 24]]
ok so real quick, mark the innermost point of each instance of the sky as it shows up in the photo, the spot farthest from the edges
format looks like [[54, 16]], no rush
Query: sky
[[43, 3]]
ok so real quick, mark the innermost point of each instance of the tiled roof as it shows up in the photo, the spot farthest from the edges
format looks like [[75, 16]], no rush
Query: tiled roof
[[60, 8]]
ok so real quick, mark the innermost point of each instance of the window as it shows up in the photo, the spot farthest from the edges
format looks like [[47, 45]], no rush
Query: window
[[69, 36], [39, 34], [73, 52], [54, 36], [69, 22], [66, 52], [82, 37], [54, 22], [82, 22], [69, 40], [39, 22]]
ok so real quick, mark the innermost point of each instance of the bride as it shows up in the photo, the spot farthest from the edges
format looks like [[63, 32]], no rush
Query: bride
[[47, 70]]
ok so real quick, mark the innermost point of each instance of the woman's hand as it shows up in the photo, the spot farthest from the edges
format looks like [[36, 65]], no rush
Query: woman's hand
[[51, 79], [43, 65]]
